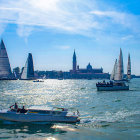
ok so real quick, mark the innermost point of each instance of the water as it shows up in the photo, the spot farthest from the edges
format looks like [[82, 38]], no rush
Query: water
[[104, 115]]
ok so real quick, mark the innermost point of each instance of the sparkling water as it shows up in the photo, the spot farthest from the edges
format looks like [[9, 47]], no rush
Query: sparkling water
[[110, 115]]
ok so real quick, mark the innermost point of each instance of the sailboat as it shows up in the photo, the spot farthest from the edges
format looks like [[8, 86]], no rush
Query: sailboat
[[120, 71], [129, 68], [112, 77], [5, 68], [28, 70], [117, 76]]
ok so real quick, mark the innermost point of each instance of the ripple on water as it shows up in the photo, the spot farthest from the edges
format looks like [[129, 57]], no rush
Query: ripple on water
[[100, 111]]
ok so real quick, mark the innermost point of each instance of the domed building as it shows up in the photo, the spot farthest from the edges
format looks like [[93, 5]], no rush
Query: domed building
[[86, 73]]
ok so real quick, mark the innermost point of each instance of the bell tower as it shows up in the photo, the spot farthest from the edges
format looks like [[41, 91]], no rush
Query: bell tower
[[74, 62]]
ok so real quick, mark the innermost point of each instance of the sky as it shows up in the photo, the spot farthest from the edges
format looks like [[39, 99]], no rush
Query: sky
[[52, 29]]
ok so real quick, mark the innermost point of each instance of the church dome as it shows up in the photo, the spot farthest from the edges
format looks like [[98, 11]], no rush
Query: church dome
[[89, 67]]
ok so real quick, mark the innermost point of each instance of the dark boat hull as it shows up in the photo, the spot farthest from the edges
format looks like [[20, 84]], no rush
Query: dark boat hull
[[112, 88]]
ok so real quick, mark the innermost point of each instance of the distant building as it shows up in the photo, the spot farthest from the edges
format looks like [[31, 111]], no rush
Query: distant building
[[5, 68], [86, 73], [28, 70], [16, 72]]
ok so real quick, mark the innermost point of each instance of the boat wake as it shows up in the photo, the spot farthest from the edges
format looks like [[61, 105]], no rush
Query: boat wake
[[109, 117]]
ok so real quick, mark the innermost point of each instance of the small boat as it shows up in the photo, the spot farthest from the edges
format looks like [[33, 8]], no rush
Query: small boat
[[117, 78], [112, 86], [54, 115], [38, 81]]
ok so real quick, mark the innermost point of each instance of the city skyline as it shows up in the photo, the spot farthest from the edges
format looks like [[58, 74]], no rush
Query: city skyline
[[52, 29]]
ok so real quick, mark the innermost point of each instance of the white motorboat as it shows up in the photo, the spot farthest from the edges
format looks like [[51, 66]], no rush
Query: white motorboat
[[55, 115]]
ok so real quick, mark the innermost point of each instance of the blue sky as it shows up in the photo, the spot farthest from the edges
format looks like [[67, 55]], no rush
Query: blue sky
[[52, 29]]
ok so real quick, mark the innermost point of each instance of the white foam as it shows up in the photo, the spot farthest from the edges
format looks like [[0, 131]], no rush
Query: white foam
[[110, 117]]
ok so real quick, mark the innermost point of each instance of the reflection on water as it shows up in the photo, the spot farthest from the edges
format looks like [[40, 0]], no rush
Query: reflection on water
[[104, 115], [24, 130]]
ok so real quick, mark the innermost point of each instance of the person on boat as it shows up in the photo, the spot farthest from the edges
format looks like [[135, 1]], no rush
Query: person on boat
[[15, 106], [104, 82], [23, 110]]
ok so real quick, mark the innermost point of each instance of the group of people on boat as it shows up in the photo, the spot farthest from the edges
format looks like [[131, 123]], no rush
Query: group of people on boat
[[106, 84], [17, 109]]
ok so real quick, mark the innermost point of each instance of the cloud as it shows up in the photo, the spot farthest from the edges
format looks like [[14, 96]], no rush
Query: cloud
[[128, 21], [66, 47], [69, 16], [24, 31], [2, 27], [127, 37]]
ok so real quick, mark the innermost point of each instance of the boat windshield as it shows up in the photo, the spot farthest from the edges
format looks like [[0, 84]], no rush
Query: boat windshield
[[59, 109]]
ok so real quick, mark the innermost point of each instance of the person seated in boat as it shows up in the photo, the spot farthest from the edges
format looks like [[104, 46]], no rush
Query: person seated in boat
[[104, 82], [15, 106], [23, 110], [107, 84], [111, 82]]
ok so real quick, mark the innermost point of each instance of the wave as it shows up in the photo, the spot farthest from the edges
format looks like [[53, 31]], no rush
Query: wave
[[109, 117]]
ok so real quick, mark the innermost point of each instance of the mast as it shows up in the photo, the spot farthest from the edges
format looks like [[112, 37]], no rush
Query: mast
[[129, 67], [120, 71], [112, 77]]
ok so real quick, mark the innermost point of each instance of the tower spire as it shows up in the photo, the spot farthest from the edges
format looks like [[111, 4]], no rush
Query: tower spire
[[74, 61]]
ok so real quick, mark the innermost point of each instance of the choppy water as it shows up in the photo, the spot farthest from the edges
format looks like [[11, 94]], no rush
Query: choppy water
[[104, 115]]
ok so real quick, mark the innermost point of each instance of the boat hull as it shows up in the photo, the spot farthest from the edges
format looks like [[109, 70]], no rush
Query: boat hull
[[21, 117], [113, 88]]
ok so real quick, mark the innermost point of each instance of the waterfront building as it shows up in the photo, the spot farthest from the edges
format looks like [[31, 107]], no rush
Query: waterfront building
[[5, 68], [16, 72], [28, 70], [86, 73]]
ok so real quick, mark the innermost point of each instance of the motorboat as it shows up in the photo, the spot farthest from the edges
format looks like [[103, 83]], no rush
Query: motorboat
[[112, 86], [54, 115]]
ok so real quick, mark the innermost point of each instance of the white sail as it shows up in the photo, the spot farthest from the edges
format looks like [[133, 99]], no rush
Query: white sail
[[129, 68], [24, 72], [112, 77], [120, 72], [28, 71]]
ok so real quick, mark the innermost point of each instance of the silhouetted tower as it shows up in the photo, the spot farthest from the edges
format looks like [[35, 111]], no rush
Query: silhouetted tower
[[74, 62]]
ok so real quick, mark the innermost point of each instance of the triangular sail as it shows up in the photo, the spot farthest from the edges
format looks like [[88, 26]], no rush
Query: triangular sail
[[120, 71], [112, 77], [28, 71], [5, 69], [129, 68], [24, 73]]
